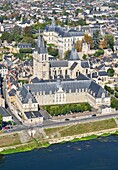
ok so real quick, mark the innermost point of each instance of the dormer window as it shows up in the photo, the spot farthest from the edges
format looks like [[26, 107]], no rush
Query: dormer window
[[103, 95]]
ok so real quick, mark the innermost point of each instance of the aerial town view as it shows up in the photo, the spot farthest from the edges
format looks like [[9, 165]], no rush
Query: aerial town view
[[58, 84]]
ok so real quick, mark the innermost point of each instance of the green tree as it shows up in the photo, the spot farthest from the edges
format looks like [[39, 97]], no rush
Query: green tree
[[116, 94], [7, 36], [109, 89], [66, 54], [110, 41], [116, 88], [53, 51], [99, 53], [84, 57], [111, 72], [25, 50], [29, 40], [16, 34], [114, 103], [96, 39], [27, 32]]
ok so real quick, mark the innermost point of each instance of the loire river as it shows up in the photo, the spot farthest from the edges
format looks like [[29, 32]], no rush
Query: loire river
[[101, 154]]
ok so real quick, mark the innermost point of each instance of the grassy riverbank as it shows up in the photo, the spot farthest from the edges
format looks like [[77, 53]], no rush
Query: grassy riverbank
[[81, 128], [72, 133], [24, 148]]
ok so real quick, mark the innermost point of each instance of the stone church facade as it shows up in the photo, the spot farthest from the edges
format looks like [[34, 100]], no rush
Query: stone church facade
[[46, 68]]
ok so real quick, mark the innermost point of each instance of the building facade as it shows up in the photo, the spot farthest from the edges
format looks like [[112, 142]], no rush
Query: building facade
[[69, 91], [60, 37]]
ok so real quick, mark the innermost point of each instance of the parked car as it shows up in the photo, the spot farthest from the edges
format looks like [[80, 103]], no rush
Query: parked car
[[93, 115], [67, 119]]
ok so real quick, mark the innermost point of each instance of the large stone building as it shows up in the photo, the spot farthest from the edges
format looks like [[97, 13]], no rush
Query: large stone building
[[63, 39], [46, 68], [53, 92]]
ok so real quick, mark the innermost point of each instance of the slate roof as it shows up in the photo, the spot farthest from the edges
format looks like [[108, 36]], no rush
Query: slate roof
[[35, 80], [85, 64], [12, 92], [103, 73], [34, 114], [41, 46], [62, 32], [116, 43], [24, 45], [59, 63], [101, 67], [74, 33], [73, 65], [81, 83], [51, 28], [4, 112], [73, 55], [2, 66], [26, 94]]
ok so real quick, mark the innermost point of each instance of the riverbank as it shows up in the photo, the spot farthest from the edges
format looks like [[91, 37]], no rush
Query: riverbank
[[73, 133]]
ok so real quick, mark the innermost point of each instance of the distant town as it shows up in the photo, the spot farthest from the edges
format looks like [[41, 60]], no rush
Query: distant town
[[58, 63]]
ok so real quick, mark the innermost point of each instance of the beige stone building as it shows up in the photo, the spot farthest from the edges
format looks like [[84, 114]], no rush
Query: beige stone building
[[57, 91], [63, 39]]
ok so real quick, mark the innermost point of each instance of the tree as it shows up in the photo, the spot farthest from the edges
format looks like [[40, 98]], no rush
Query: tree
[[7, 36], [22, 50], [111, 72], [109, 89], [116, 94], [66, 54], [99, 53], [27, 32], [89, 40], [96, 39], [81, 22], [110, 41], [29, 40], [53, 51], [114, 103], [78, 46], [104, 43], [16, 34], [116, 88], [84, 57]]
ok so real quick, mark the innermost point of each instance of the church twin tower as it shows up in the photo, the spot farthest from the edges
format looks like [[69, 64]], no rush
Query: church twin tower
[[41, 60]]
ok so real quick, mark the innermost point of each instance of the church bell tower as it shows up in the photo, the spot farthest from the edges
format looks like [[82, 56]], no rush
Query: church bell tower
[[41, 60]]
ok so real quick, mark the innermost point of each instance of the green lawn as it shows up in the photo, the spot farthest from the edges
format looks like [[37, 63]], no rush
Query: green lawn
[[55, 110]]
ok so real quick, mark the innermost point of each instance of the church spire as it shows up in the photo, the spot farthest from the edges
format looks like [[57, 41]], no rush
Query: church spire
[[39, 40], [73, 43]]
